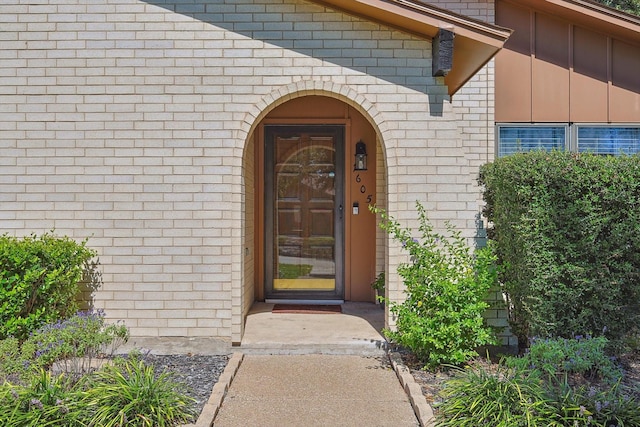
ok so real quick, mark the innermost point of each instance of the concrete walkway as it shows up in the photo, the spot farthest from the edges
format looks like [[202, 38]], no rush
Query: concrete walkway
[[355, 331], [315, 390], [315, 370]]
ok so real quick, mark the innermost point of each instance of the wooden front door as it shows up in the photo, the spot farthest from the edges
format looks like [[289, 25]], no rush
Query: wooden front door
[[304, 212]]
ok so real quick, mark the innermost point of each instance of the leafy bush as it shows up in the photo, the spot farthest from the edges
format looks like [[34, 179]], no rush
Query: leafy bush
[[72, 343], [39, 277], [131, 393], [441, 320], [629, 6], [11, 363], [558, 357], [567, 241], [76, 340]]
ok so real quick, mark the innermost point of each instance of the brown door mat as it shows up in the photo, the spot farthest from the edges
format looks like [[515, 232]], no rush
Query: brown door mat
[[306, 308]]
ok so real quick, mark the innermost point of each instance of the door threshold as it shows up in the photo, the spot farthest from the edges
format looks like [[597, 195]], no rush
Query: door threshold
[[305, 301]]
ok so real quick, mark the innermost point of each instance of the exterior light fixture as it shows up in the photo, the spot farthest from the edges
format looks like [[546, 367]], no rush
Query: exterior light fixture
[[361, 157]]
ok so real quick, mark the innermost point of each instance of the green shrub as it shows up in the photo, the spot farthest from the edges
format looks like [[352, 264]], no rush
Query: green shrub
[[70, 343], [567, 241], [558, 357], [12, 365], [441, 320], [74, 342], [39, 281], [130, 393]]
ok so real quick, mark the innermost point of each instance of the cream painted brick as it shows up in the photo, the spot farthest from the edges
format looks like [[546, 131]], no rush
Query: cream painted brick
[[179, 305], [144, 332], [209, 322], [163, 97], [181, 332], [148, 305], [181, 323]]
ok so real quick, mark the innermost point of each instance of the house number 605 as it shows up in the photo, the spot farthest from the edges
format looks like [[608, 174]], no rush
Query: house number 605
[[363, 189]]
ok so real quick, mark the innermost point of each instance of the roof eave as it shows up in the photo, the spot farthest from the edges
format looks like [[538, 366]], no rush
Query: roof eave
[[590, 14], [475, 43]]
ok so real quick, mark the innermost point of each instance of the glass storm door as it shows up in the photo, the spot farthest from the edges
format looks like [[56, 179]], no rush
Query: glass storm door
[[304, 212]]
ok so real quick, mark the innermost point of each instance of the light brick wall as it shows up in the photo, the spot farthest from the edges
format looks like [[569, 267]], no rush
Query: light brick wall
[[249, 230], [381, 202], [127, 123], [483, 10]]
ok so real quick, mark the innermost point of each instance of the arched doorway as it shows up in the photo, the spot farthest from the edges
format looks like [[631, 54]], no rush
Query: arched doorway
[[315, 238]]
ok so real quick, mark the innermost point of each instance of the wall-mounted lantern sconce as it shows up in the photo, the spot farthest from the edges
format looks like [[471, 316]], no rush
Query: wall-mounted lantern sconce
[[361, 157]]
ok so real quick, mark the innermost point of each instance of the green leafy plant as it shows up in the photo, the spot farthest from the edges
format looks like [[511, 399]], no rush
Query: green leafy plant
[[507, 397], [441, 320], [70, 344], [47, 401], [39, 281], [379, 286], [594, 406], [74, 342], [629, 6], [293, 271], [131, 393], [557, 357], [567, 241], [379, 283], [12, 365], [546, 388]]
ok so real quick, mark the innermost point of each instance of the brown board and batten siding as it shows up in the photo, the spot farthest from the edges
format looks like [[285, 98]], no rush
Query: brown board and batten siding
[[567, 61]]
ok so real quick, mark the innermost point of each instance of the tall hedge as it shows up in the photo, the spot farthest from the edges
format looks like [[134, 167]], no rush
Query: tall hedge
[[39, 281], [567, 228]]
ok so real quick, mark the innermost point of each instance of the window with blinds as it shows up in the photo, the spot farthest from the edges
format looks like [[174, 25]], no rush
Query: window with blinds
[[608, 140], [516, 139]]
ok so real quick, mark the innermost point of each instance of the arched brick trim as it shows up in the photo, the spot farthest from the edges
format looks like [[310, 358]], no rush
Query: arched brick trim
[[302, 88], [250, 122]]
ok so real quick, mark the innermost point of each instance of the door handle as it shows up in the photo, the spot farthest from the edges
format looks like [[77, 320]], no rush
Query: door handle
[[340, 210]]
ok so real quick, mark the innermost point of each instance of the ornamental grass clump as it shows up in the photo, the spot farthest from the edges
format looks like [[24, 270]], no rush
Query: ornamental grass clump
[[131, 393], [48, 400], [441, 320], [558, 382], [506, 397]]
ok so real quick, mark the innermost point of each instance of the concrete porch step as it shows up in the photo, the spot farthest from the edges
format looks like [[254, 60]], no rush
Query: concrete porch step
[[355, 331]]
